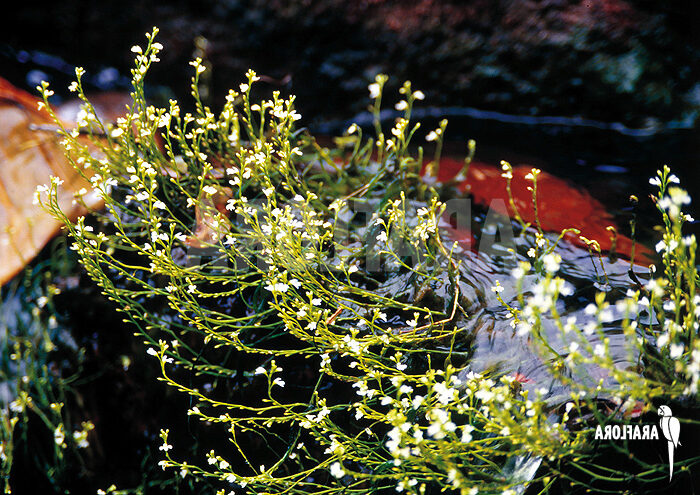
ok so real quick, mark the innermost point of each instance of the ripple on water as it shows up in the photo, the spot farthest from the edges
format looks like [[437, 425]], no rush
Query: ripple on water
[[495, 346]]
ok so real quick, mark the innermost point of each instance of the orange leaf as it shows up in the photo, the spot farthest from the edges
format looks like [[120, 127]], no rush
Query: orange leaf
[[560, 205], [28, 158]]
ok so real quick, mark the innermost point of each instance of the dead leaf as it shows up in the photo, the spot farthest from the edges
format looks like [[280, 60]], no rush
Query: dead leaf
[[560, 205], [30, 153]]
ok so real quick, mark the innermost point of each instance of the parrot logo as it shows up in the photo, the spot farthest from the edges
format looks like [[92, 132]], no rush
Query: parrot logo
[[671, 429]]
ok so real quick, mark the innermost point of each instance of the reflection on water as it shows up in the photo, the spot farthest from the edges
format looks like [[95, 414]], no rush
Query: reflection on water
[[495, 345]]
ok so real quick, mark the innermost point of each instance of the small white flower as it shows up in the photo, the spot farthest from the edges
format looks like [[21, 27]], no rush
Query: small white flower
[[518, 273], [590, 327], [374, 90], [467, 433], [278, 287], [676, 351], [419, 95], [401, 105], [665, 203], [551, 262], [337, 470], [606, 316], [405, 389], [591, 309], [566, 289], [679, 196]]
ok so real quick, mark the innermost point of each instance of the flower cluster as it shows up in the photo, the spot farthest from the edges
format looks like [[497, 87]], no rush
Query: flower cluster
[[328, 349]]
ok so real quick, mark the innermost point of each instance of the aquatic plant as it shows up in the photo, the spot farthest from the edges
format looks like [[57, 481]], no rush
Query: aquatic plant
[[33, 391], [308, 302]]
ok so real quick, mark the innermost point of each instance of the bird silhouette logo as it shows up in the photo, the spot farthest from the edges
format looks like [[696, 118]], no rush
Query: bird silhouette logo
[[671, 428]]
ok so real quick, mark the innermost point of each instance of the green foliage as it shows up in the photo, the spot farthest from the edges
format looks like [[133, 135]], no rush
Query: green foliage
[[33, 388], [327, 354]]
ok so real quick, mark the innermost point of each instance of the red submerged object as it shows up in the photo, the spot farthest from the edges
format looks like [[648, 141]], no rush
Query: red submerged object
[[559, 204]]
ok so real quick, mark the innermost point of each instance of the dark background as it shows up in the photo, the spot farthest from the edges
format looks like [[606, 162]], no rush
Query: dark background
[[634, 61], [621, 77]]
